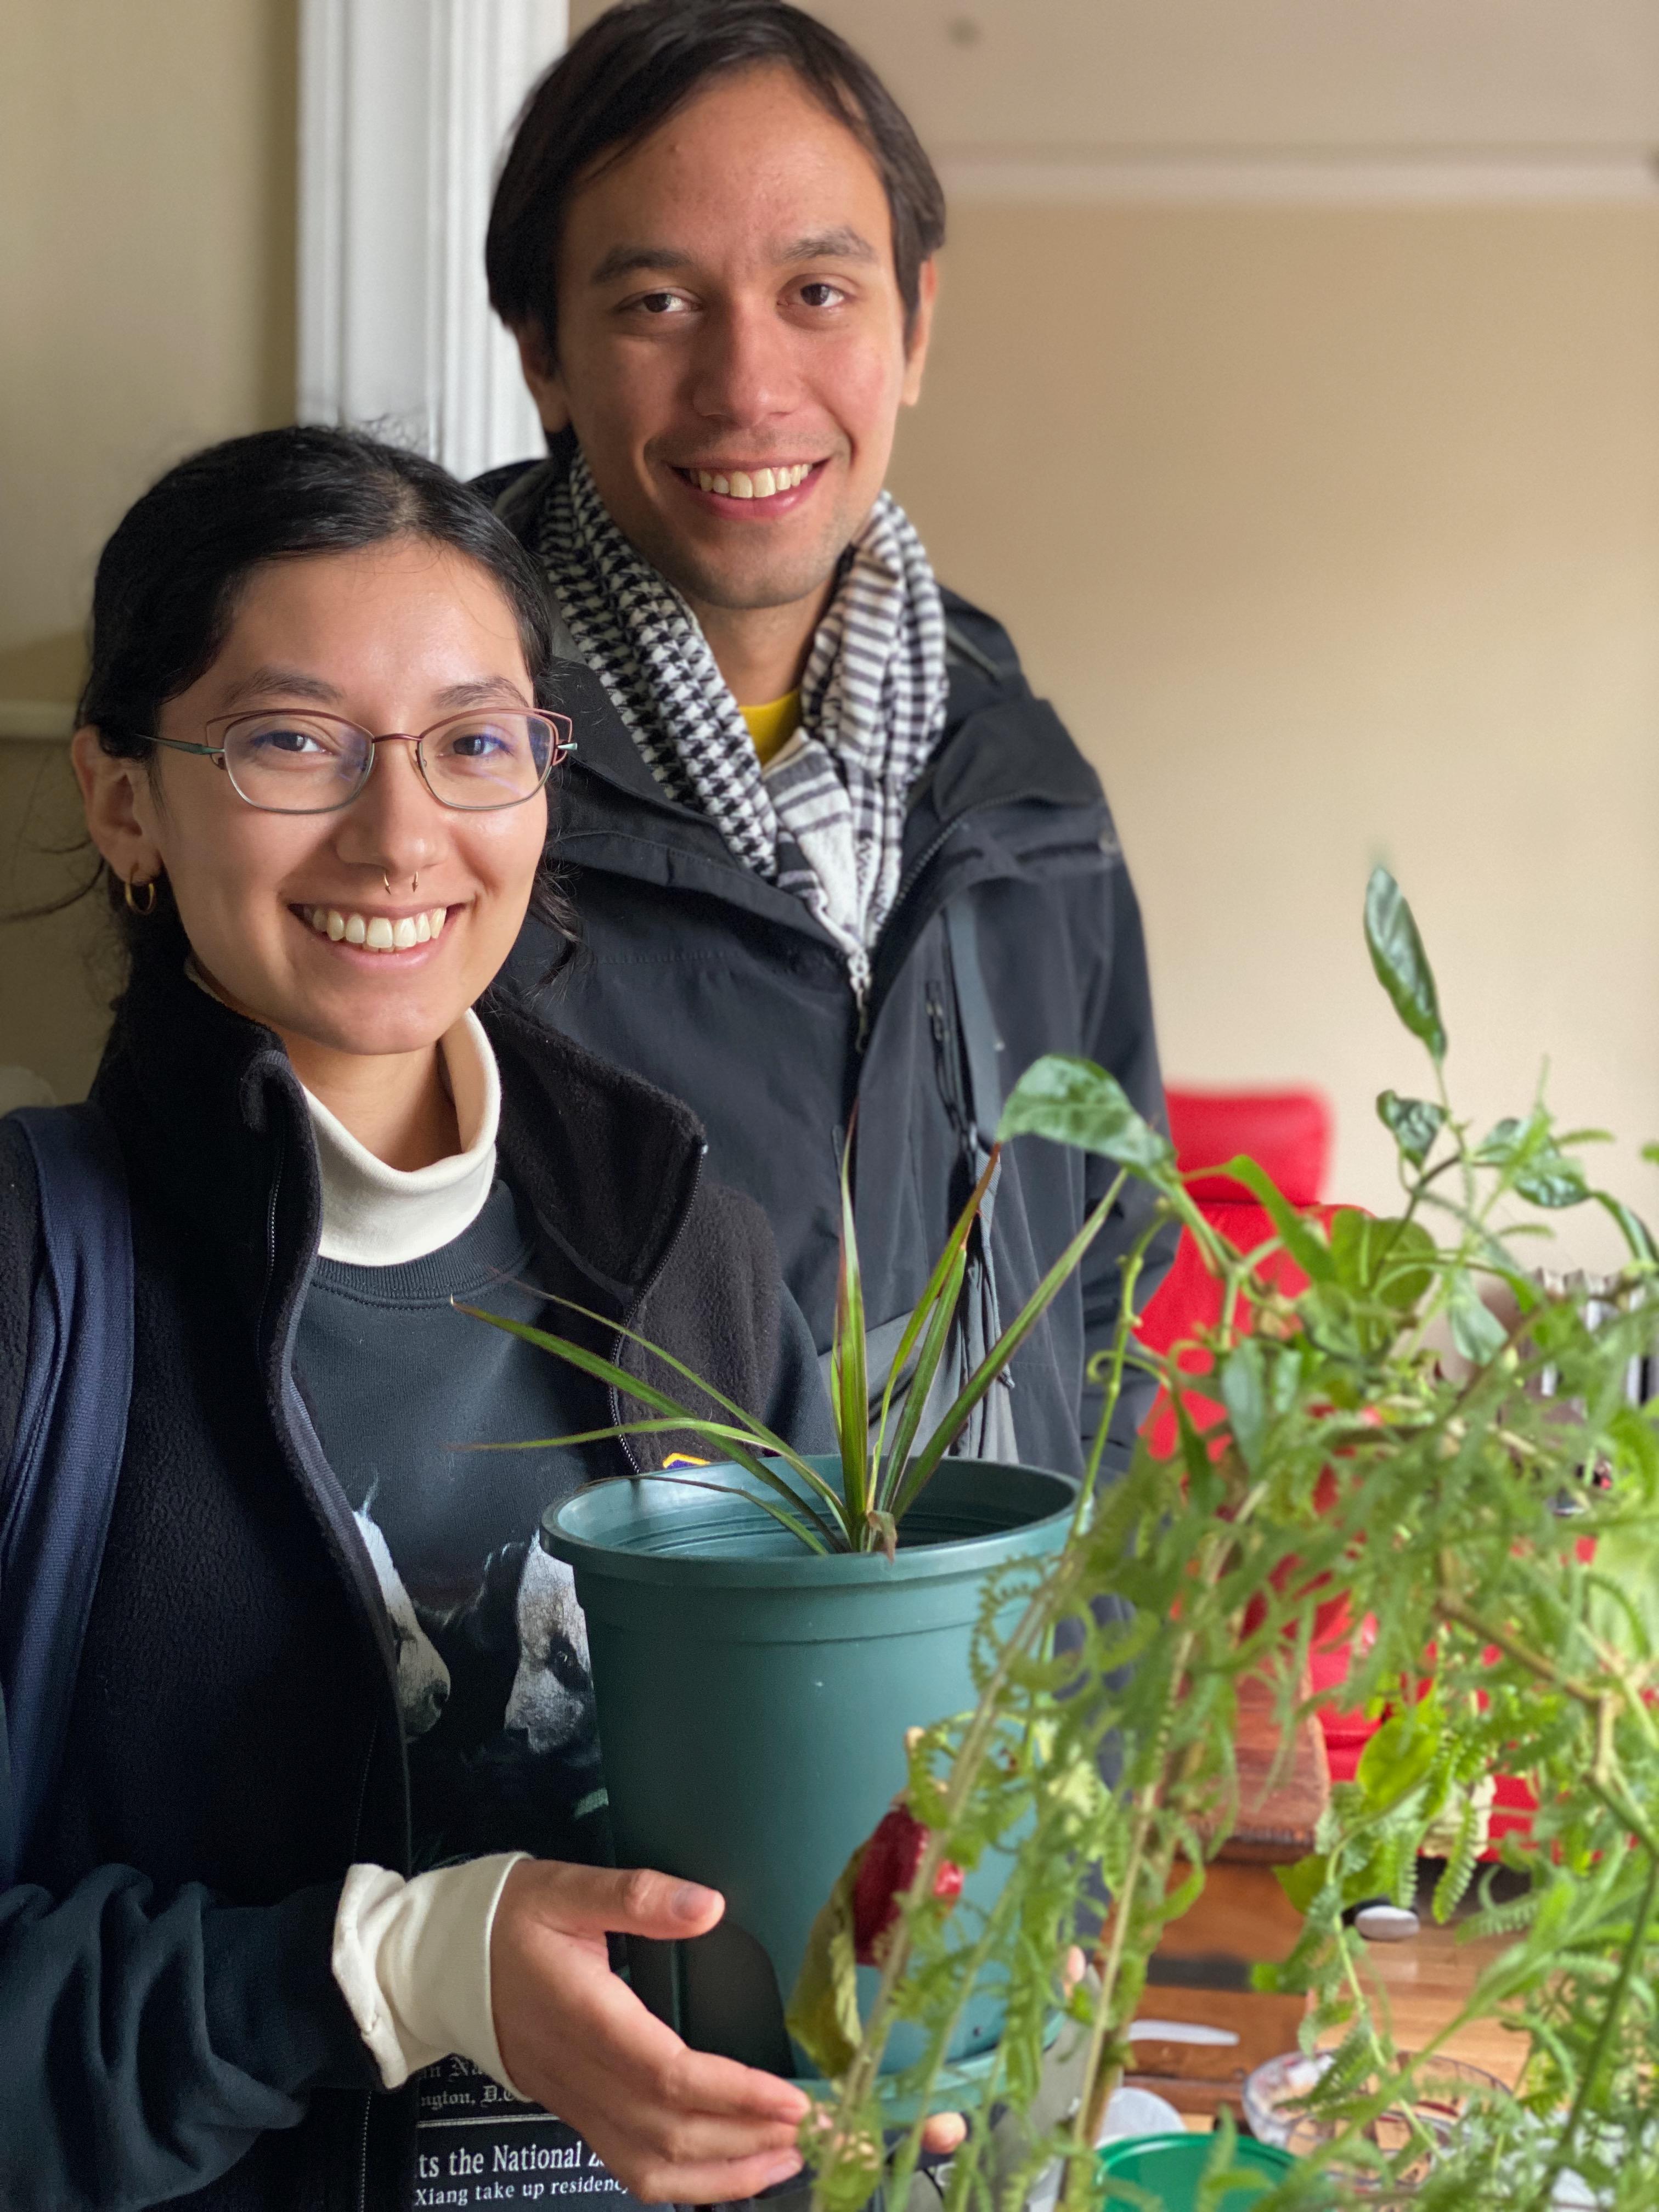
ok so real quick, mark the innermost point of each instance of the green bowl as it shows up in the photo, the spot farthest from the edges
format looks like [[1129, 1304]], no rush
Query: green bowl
[[1171, 2167]]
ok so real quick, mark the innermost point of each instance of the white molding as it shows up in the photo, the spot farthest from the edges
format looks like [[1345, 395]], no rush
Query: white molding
[[404, 107], [1315, 179]]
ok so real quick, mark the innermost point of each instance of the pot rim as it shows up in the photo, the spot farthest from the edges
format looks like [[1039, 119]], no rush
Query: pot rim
[[801, 1569]]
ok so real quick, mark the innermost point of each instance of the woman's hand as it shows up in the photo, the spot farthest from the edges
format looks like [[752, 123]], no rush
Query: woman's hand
[[674, 2125], [671, 2124]]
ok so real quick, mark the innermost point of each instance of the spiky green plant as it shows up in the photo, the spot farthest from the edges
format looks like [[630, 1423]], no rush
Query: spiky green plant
[[884, 1473], [1449, 1444]]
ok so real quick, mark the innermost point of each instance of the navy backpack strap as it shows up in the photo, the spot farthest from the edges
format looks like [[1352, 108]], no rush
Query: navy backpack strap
[[57, 1493]]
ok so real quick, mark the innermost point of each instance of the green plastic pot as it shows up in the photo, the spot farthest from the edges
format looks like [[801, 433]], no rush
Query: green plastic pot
[[1171, 2167], [752, 1702]]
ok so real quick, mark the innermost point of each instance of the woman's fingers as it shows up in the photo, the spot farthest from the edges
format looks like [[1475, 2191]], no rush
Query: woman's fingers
[[670, 2124], [943, 2133], [587, 1900]]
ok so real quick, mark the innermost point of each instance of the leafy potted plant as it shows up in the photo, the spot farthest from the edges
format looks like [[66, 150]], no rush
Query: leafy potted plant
[[762, 1630], [1453, 1444]]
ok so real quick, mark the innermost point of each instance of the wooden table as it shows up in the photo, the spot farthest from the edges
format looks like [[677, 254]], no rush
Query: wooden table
[[1199, 1977]]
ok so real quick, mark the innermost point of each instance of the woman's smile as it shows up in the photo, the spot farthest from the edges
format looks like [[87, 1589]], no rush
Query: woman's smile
[[375, 929]]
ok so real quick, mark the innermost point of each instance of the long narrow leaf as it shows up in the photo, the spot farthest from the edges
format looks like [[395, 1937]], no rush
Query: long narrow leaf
[[921, 1470], [921, 1312], [605, 1371], [630, 1386], [849, 1365], [1299, 1238], [932, 1350], [713, 1432], [796, 1529]]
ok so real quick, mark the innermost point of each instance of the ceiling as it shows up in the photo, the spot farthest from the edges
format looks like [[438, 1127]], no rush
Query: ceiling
[[1554, 79]]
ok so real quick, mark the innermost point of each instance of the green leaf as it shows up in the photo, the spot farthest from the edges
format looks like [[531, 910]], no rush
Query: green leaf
[[921, 1470], [921, 1382], [1301, 1238], [1072, 1102], [629, 1386], [1552, 1181], [831, 1537], [1414, 1123], [1245, 1397], [1476, 1330], [1497, 1148], [1633, 1228], [1384, 1258], [823, 2013], [944, 1284], [1624, 1592], [1402, 964], [1303, 1882], [1398, 1759]]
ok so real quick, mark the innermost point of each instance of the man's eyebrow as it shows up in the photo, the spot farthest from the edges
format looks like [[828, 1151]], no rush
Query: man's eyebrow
[[842, 244], [632, 260]]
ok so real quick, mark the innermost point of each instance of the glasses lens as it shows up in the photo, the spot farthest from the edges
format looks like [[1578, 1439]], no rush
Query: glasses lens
[[295, 763], [489, 759]]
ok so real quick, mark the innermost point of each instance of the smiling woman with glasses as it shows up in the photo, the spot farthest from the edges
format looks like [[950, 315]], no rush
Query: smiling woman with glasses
[[303, 1845]]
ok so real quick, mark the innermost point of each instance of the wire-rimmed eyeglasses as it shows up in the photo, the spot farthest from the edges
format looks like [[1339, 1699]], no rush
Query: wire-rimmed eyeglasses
[[285, 762]]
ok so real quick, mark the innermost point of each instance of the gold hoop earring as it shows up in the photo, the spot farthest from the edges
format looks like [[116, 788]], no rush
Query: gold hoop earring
[[133, 907]]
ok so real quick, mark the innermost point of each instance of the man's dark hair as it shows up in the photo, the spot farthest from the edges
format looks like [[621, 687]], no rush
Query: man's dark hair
[[636, 65]]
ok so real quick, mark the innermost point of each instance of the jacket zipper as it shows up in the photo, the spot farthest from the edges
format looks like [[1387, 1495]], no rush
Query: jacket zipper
[[362, 2155], [270, 1224], [907, 884], [363, 1788], [655, 1276]]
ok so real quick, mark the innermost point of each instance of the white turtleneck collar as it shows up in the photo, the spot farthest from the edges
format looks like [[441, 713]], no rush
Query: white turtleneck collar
[[374, 1216]]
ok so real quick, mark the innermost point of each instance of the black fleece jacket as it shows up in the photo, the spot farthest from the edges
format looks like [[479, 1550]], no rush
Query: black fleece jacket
[[700, 976], [171, 2029]]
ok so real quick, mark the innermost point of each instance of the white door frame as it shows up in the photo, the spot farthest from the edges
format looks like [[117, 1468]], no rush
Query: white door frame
[[405, 108]]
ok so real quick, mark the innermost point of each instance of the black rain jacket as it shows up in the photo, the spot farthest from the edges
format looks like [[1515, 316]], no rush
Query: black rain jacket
[[715, 984], [171, 2027]]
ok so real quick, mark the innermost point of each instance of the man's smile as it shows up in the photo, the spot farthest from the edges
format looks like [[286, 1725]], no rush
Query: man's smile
[[776, 486]]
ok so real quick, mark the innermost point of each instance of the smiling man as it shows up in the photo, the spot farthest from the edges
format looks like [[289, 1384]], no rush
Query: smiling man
[[828, 851]]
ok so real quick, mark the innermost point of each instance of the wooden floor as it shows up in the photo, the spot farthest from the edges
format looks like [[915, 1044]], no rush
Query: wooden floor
[[1422, 1985]]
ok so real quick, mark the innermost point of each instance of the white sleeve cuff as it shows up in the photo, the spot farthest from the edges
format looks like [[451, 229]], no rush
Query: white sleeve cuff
[[412, 1961]]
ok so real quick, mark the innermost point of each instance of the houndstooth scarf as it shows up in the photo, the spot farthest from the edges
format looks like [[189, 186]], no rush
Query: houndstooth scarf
[[826, 819]]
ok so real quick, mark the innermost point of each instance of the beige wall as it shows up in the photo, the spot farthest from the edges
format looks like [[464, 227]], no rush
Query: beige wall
[[146, 277], [1335, 537]]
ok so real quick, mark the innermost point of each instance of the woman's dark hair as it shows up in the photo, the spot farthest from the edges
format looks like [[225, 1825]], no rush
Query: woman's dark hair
[[637, 64], [170, 579]]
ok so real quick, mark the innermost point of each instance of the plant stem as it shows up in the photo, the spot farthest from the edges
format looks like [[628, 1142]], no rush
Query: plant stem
[[1604, 2035], [859, 2081]]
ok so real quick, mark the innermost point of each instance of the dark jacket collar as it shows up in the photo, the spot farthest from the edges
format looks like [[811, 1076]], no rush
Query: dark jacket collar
[[214, 1123]]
